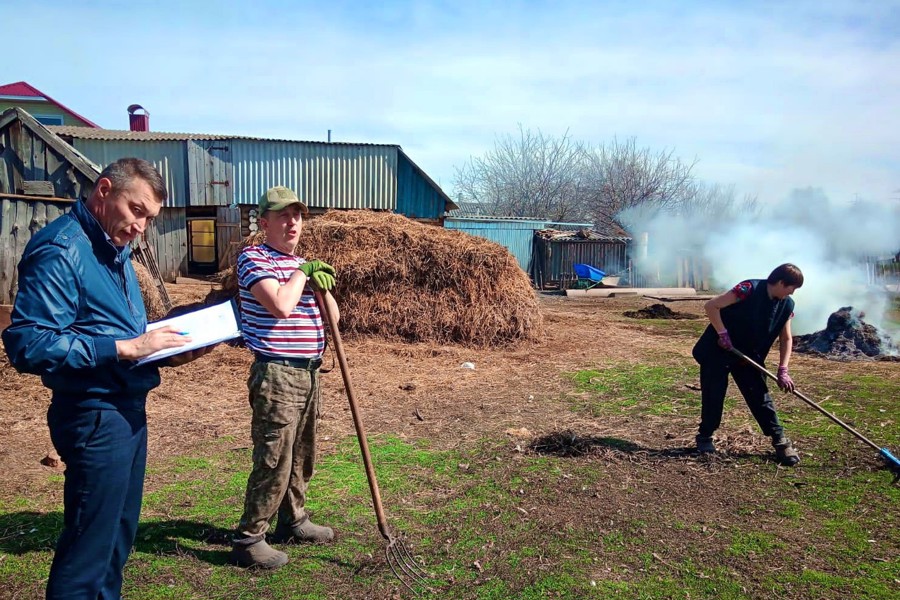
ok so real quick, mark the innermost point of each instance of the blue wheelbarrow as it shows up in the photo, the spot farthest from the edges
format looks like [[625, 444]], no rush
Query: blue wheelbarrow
[[588, 276]]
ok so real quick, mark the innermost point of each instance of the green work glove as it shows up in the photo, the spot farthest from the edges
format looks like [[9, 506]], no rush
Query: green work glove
[[312, 266], [322, 280]]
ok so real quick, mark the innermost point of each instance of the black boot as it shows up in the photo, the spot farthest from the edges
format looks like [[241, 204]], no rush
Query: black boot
[[705, 444], [785, 452]]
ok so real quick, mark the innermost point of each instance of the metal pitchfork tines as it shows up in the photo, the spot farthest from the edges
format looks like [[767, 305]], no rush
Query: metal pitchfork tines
[[892, 462], [397, 555]]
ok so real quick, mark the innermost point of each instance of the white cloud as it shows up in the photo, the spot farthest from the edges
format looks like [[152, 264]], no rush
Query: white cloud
[[770, 96]]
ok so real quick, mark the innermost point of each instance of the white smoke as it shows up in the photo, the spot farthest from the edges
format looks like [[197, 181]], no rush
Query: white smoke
[[828, 241]]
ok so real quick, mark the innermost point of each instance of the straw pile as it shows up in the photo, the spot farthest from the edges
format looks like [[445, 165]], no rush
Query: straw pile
[[149, 292], [401, 279]]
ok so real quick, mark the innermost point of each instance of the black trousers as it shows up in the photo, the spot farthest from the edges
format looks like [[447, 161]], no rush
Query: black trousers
[[751, 383]]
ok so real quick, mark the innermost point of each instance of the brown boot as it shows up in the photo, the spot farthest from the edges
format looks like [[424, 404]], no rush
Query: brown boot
[[304, 532], [785, 452], [259, 555]]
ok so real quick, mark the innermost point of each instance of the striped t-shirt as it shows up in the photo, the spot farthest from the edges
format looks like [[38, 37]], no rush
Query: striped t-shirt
[[302, 334]]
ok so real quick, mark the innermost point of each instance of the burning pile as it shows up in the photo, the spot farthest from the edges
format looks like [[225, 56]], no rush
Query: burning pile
[[847, 337], [657, 311], [403, 279]]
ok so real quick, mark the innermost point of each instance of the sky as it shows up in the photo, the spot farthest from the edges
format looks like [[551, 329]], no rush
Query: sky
[[768, 96]]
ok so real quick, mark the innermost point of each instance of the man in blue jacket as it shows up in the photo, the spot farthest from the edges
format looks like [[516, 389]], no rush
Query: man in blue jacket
[[750, 317], [79, 322]]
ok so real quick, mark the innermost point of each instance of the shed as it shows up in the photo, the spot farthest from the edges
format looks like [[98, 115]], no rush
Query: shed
[[41, 176], [516, 234], [605, 247], [215, 182]]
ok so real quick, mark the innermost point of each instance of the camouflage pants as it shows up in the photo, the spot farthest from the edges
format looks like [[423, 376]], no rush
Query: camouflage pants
[[285, 403]]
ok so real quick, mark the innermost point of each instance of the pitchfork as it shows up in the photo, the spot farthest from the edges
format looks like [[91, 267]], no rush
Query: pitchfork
[[398, 556], [892, 462]]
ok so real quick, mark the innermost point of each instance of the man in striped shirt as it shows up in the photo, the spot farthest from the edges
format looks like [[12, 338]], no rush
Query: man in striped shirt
[[283, 327]]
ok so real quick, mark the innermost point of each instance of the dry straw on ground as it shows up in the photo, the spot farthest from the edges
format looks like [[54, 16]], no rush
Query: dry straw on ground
[[397, 278], [149, 292]]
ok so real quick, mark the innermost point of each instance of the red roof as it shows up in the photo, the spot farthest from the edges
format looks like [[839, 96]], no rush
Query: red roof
[[20, 88], [25, 90]]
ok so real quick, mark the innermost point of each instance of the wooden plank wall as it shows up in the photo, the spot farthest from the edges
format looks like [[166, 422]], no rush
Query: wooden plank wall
[[25, 157], [228, 234], [168, 238]]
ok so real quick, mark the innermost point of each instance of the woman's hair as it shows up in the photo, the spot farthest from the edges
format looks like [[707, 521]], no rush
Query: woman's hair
[[788, 273]]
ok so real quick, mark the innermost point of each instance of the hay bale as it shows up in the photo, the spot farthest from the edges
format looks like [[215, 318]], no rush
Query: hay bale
[[401, 279], [149, 292]]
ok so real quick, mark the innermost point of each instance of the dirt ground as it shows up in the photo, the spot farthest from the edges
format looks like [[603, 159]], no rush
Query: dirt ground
[[411, 390], [517, 395]]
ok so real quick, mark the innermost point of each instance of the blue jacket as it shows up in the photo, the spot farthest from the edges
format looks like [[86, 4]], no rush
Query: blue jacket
[[77, 295]]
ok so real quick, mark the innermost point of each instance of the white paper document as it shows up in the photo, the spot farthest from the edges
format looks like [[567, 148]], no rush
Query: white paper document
[[205, 327]]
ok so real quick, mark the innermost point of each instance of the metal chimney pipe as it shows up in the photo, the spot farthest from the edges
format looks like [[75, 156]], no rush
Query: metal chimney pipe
[[138, 122]]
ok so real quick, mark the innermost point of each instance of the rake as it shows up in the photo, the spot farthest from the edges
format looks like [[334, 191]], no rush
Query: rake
[[398, 557], [892, 462]]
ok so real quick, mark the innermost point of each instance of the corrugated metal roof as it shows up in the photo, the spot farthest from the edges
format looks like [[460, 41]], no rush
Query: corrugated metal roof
[[468, 209], [583, 235], [542, 222], [88, 133]]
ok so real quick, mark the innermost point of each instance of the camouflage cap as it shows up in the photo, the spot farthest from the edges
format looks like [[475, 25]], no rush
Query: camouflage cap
[[279, 197]]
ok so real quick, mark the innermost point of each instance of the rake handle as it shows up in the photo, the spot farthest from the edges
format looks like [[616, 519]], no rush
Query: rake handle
[[883, 451], [357, 420]]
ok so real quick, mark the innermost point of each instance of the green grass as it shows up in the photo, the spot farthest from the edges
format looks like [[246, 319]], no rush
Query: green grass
[[638, 388], [495, 523], [753, 544], [691, 328]]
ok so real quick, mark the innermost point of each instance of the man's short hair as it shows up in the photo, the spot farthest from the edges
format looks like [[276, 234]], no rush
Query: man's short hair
[[121, 172], [788, 273]]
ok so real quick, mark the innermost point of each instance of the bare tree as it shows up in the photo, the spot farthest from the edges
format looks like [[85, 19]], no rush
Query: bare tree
[[531, 175], [624, 176], [717, 201]]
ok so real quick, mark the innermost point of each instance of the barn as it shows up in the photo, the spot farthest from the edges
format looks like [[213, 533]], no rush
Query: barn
[[215, 182], [41, 176]]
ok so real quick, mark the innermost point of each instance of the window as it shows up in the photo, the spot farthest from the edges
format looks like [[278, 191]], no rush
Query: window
[[49, 119]]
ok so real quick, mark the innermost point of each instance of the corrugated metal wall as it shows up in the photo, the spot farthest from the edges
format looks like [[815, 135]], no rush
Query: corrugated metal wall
[[416, 197], [515, 235], [169, 158], [324, 175]]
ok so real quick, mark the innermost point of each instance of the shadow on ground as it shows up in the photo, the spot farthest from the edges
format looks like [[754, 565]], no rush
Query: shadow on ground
[[29, 531]]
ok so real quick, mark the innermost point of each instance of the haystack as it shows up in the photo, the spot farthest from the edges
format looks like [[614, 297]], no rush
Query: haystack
[[401, 279], [156, 309]]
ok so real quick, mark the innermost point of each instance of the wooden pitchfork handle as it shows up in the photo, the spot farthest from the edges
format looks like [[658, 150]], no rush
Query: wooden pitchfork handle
[[354, 410], [892, 461]]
